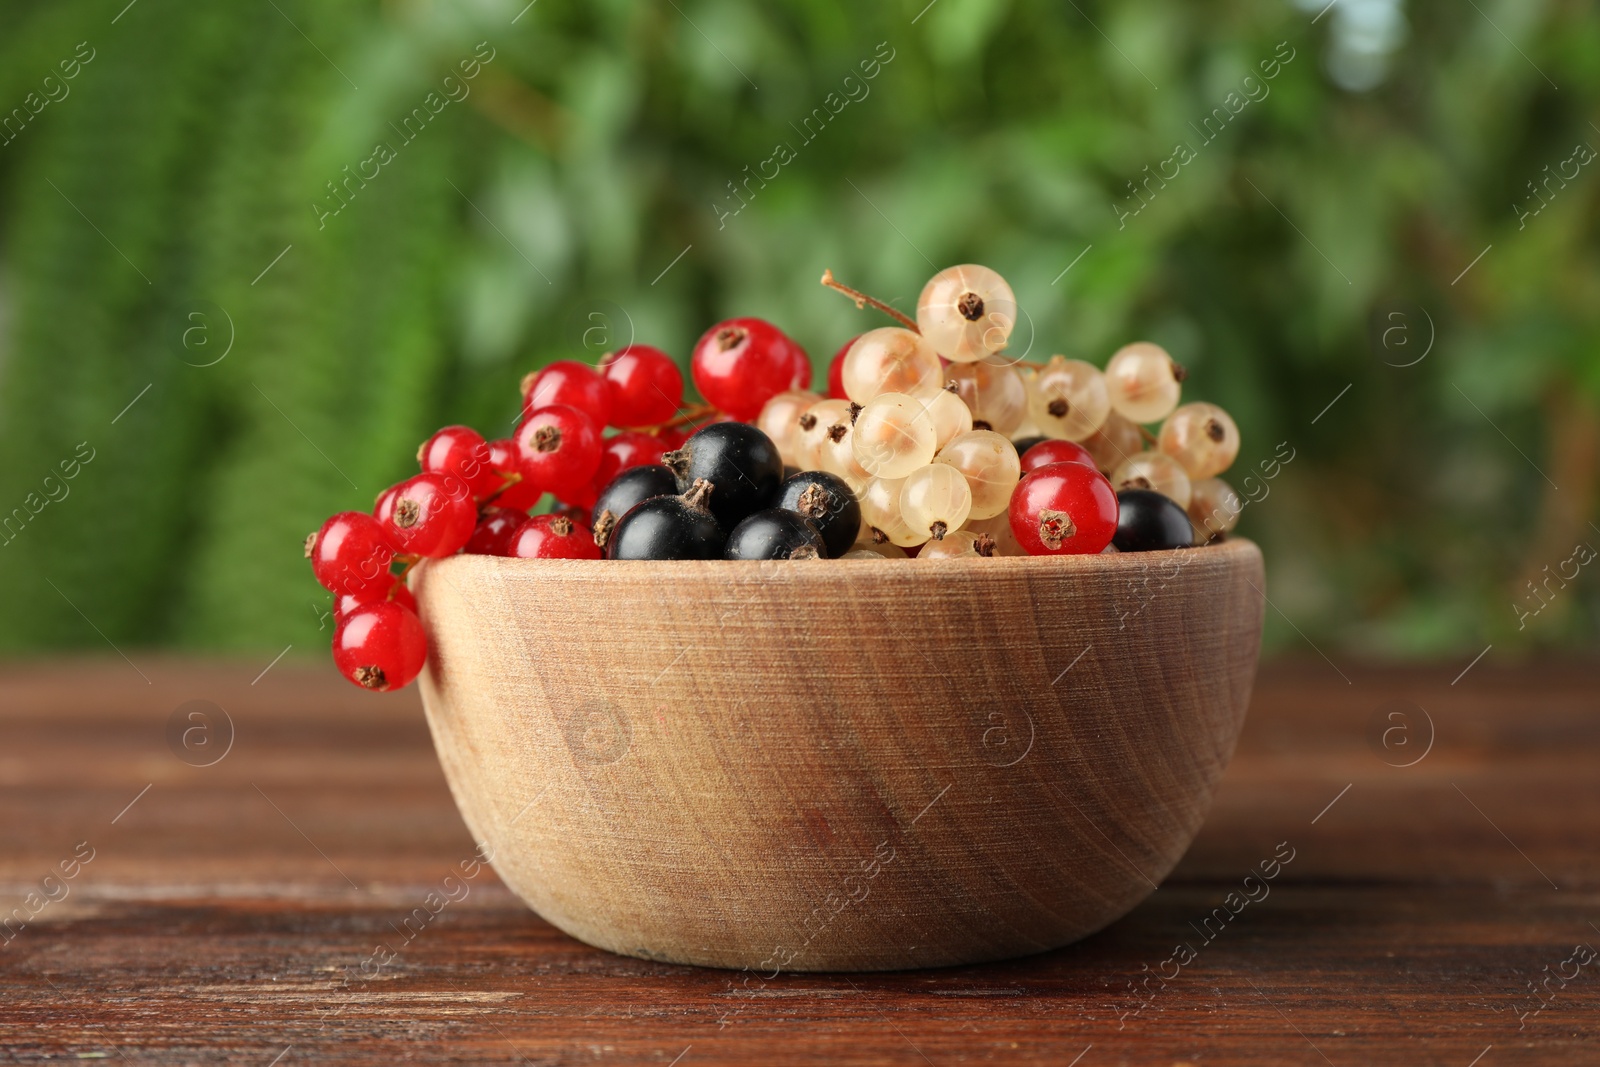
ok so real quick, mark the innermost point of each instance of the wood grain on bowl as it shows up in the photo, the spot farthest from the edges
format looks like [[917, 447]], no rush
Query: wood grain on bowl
[[835, 765]]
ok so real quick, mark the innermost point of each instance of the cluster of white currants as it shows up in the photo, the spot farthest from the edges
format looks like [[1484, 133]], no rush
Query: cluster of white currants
[[928, 428]]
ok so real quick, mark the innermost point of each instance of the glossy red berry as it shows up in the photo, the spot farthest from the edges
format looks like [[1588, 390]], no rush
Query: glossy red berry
[[1063, 509], [801, 362], [553, 537], [350, 554], [625, 451], [646, 385], [560, 447], [520, 492], [1053, 451], [380, 646], [568, 382], [836, 372], [740, 364], [397, 593], [433, 515], [460, 451], [492, 536]]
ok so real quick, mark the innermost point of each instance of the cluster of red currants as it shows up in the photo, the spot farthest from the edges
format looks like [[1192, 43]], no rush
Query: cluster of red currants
[[931, 443]]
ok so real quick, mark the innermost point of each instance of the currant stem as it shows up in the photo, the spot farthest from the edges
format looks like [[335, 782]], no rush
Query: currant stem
[[511, 479], [1149, 438], [689, 414], [862, 300]]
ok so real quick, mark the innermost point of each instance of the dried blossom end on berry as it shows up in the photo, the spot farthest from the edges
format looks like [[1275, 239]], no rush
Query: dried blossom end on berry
[[984, 545], [813, 503], [546, 439], [971, 306], [561, 526], [879, 537], [808, 421], [938, 530], [406, 513], [1179, 371], [699, 495], [603, 525], [1214, 430], [837, 431], [311, 543], [371, 678], [1055, 527], [1058, 408], [805, 552]]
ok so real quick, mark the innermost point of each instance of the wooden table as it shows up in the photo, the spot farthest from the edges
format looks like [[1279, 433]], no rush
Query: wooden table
[[1429, 914]]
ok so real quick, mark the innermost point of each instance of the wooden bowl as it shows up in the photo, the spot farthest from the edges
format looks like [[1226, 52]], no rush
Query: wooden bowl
[[838, 765]]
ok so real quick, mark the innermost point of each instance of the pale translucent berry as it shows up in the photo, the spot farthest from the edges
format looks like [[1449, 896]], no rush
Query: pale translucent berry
[[994, 392], [1154, 470], [873, 551], [966, 312], [890, 360], [962, 544], [880, 511], [999, 528], [1202, 437], [1143, 382], [1068, 399], [780, 420], [990, 465], [950, 416], [1114, 443], [811, 431], [836, 454], [935, 500], [1213, 508], [893, 436]]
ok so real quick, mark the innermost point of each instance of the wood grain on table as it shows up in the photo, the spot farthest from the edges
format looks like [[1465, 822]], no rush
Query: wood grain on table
[[157, 912]]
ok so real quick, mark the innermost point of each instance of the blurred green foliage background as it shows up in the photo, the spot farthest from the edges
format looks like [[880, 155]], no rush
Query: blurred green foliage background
[[161, 244]]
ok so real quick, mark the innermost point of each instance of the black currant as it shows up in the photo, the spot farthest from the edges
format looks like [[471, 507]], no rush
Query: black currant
[[627, 490], [669, 527], [741, 463], [827, 501], [1146, 521], [775, 534]]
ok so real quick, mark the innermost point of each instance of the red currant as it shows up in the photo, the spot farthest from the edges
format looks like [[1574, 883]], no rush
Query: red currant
[[461, 451], [836, 372], [625, 450], [560, 447], [1063, 509], [351, 555], [646, 386], [566, 381], [492, 535], [380, 646], [398, 593], [740, 364], [802, 367], [581, 497], [1053, 451], [433, 515], [520, 492], [553, 537]]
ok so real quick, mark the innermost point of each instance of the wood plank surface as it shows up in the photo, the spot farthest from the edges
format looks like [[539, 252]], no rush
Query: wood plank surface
[[1437, 913]]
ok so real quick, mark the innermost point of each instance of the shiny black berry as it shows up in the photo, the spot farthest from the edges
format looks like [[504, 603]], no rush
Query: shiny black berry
[[627, 490], [740, 462], [1146, 521], [775, 534], [827, 501], [669, 527]]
